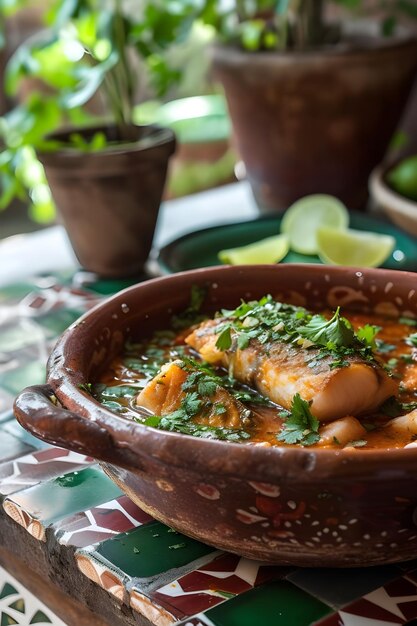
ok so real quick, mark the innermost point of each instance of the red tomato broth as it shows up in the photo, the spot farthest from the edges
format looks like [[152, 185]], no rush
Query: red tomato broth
[[266, 422]]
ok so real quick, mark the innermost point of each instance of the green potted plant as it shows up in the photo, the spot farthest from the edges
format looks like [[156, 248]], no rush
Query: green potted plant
[[314, 103], [106, 176]]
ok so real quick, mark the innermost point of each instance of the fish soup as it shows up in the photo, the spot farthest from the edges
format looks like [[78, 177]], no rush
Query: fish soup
[[272, 374]]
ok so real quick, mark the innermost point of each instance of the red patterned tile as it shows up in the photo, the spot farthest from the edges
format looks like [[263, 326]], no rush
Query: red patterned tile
[[331, 620], [34, 468], [393, 603], [226, 576], [373, 610], [100, 523]]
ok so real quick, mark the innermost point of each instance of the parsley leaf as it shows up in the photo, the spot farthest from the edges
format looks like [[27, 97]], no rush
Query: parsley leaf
[[391, 407], [409, 406], [383, 347], [206, 388], [224, 340], [412, 340], [190, 315], [243, 341], [408, 321], [191, 404], [268, 321], [358, 443], [367, 334], [391, 364], [335, 332], [300, 424]]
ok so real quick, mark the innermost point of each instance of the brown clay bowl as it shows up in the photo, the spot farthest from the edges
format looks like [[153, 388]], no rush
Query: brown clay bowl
[[401, 210], [283, 505]]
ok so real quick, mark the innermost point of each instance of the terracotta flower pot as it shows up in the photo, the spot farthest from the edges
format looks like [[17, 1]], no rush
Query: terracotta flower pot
[[315, 122], [109, 200], [301, 506]]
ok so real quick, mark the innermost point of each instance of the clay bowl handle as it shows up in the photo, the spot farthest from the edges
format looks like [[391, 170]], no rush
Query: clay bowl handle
[[36, 410]]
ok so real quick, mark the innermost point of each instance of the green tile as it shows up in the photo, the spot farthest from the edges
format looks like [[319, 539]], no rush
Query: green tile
[[7, 620], [40, 618], [11, 448], [7, 414], [14, 291], [55, 322], [77, 491], [338, 587], [18, 605], [7, 590], [15, 336], [279, 603], [150, 550], [13, 427], [30, 374]]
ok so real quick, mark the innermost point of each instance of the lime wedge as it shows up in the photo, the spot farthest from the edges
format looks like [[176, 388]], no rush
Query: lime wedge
[[304, 217], [403, 178], [353, 247], [269, 250]]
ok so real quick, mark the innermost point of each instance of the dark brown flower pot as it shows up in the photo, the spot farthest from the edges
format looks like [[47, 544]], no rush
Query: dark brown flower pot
[[109, 200], [315, 122]]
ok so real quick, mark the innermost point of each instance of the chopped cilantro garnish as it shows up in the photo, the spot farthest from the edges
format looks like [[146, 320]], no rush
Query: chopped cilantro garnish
[[206, 388], [178, 421], [224, 340], [358, 443], [383, 347], [200, 386], [409, 406], [219, 408], [191, 315], [412, 340], [391, 364], [117, 391], [333, 333], [85, 387], [391, 407], [367, 334], [113, 406], [408, 321], [115, 397], [192, 404], [300, 424], [243, 341], [269, 321]]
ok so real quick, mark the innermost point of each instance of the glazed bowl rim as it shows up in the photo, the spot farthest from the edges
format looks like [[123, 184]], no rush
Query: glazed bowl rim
[[263, 463]]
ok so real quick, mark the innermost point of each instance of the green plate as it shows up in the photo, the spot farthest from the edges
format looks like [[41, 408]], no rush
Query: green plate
[[200, 248]]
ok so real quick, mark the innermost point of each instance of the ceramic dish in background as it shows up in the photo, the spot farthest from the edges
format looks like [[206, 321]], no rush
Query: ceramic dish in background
[[401, 210], [201, 248], [287, 505]]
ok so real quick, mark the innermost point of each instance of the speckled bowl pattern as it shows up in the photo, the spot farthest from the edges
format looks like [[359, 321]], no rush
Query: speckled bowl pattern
[[402, 211], [296, 506]]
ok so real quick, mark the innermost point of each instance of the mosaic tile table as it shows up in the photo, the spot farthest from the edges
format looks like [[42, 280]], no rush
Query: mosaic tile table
[[69, 523]]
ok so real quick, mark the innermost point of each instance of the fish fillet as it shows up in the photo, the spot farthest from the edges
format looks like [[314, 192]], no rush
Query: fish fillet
[[280, 370], [164, 394]]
